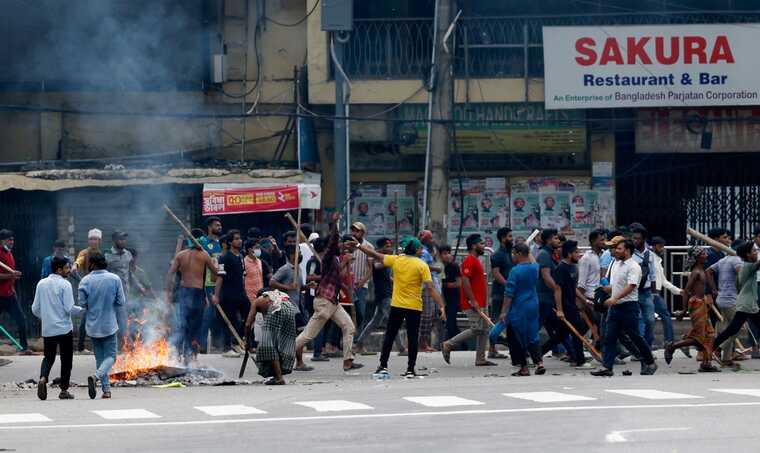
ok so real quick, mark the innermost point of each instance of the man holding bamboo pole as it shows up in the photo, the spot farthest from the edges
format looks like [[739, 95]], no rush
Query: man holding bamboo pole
[[8, 300]]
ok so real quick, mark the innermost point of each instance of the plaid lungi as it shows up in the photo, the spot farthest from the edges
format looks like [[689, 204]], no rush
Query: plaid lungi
[[278, 340]]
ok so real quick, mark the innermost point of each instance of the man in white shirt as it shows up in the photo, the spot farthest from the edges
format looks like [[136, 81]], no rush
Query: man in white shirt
[[623, 311], [660, 307], [589, 269], [54, 304]]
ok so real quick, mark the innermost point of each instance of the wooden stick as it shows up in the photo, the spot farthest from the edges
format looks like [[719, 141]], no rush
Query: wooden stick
[[198, 244], [594, 329], [717, 313], [583, 339], [486, 318], [395, 221], [300, 234], [532, 236], [711, 242]]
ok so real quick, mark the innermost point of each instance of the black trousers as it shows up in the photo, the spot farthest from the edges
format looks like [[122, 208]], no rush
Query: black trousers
[[11, 305], [735, 325], [517, 351], [395, 318], [64, 343], [237, 312], [561, 331]]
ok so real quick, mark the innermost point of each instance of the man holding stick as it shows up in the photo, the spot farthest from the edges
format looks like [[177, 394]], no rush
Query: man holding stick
[[472, 302], [326, 306], [565, 294], [192, 264], [229, 292], [8, 300], [410, 274]]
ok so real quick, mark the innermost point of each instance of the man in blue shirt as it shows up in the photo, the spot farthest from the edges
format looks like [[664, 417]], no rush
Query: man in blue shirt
[[102, 295], [546, 285], [59, 251], [54, 304], [211, 244]]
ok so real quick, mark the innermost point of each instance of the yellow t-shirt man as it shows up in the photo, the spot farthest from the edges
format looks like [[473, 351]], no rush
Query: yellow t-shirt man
[[409, 273]]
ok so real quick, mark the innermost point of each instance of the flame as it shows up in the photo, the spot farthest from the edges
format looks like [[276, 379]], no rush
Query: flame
[[138, 356]]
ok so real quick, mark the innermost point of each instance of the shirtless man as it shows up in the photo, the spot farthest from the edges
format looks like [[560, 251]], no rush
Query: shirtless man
[[191, 264], [702, 333]]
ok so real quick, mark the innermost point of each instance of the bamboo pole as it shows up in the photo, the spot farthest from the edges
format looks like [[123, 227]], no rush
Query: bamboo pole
[[301, 236], [583, 339]]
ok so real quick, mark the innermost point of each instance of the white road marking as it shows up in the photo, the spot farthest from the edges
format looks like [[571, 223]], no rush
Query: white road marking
[[619, 436], [232, 409], [387, 415], [23, 418], [334, 405], [126, 414], [747, 392], [549, 397], [442, 401], [654, 394]]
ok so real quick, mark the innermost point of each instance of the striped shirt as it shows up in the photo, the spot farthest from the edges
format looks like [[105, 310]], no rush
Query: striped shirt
[[361, 265]]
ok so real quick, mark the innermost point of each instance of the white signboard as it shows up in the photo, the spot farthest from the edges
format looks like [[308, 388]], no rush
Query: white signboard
[[651, 66]]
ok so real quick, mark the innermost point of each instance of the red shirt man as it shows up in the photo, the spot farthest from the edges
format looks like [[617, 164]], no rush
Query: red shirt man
[[473, 270]]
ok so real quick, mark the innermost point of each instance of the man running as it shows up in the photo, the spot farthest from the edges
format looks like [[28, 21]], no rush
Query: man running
[[410, 274], [472, 302], [702, 334], [327, 307]]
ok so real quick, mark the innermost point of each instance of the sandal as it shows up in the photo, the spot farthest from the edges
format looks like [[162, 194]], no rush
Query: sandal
[[274, 381], [540, 370], [521, 372], [304, 368], [708, 369]]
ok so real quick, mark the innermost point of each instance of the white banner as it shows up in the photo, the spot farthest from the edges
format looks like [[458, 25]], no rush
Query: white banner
[[651, 66]]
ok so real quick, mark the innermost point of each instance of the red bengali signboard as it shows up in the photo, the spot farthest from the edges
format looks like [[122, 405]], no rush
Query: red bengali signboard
[[242, 200]]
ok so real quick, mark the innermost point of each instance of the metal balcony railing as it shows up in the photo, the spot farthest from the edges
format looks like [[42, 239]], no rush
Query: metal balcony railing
[[487, 47]]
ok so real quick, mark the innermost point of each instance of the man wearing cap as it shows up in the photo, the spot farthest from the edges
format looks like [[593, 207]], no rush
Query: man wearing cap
[[361, 268], [410, 275], [119, 261], [81, 268], [59, 251], [8, 301]]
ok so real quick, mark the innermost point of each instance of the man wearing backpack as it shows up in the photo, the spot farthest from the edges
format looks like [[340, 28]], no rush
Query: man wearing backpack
[[644, 257]]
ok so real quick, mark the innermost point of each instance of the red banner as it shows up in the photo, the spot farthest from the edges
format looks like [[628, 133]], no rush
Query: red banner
[[237, 201]]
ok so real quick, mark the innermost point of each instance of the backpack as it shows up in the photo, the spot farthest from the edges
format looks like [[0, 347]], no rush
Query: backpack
[[645, 262]]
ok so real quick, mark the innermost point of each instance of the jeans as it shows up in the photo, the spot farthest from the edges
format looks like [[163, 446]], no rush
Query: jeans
[[210, 321], [105, 356], [13, 307], [478, 330], [66, 345], [646, 321], [623, 318], [661, 308], [360, 306], [191, 303], [395, 318], [82, 334]]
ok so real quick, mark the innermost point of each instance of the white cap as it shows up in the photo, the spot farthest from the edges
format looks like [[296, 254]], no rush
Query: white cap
[[313, 236], [94, 234]]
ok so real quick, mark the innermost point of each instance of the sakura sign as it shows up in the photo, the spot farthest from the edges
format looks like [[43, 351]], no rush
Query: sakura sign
[[651, 66]]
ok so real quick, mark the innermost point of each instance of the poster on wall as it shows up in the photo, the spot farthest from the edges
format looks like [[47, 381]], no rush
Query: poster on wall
[[377, 207], [481, 206]]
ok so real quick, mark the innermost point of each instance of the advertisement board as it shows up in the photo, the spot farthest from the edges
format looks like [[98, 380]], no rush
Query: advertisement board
[[651, 66]]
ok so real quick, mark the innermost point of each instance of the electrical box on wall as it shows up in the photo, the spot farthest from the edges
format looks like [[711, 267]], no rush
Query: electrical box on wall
[[337, 15]]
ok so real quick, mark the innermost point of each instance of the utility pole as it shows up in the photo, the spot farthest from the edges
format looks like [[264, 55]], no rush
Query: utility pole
[[439, 143]]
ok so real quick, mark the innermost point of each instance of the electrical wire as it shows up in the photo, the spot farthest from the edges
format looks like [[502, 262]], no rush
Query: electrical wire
[[294, 24]]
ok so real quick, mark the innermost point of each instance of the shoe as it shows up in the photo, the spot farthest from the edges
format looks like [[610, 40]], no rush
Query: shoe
[[585, 366], [649, 370], [446, 352], [65, 395], [231, 354], [708, 369], [83, 352], [353, 366], [409, 374], [540, 370], [604, 372], [668, 354], [320, 359], [42, 389], [497, 355], [619, 361], [91, 391], [486, 363], [381, 370]]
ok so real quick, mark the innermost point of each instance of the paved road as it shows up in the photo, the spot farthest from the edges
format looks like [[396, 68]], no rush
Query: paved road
[[458, 408]]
